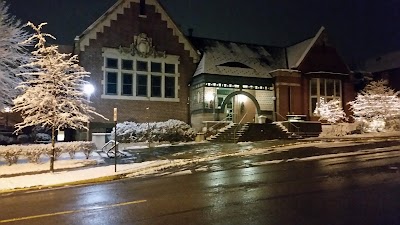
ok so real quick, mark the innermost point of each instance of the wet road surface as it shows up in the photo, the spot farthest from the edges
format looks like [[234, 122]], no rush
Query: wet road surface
[[351, 189]]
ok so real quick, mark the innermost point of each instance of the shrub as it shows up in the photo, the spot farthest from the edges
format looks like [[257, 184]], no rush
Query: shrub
[[171, 130], [11, 153]]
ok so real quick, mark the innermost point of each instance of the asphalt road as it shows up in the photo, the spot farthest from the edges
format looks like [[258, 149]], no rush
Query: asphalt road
[[353, 189]]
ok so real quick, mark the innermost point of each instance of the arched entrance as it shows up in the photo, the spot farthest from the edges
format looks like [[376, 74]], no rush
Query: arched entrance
[[239, 107]]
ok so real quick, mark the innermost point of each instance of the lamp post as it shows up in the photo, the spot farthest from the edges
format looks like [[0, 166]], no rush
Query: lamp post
[[7, 110], [148, 126], [88, 89]]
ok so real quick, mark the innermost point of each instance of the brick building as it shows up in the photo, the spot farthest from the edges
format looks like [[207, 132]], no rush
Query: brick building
[[142, 64]]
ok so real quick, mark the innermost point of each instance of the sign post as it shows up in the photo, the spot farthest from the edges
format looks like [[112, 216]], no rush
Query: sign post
[[115, 139]]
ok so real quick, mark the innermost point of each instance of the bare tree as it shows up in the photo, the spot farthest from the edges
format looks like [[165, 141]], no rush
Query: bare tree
[[53, 94], [13, 54]]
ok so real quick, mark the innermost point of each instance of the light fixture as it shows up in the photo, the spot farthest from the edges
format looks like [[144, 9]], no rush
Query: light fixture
[[88, 89]]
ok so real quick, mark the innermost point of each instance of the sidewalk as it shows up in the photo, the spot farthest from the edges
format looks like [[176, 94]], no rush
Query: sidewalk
[[26, 176]]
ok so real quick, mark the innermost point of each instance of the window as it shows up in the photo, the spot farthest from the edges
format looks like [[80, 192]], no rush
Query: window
[[112, 63], [156, 67], [111, 83], [133, 77], [127, 64], [170, 87], [169, 68], [127, 84], [326, 88], [155, 86], [141, 85], [141, 66]]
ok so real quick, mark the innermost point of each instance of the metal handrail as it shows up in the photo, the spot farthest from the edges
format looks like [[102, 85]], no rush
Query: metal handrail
[[235, 130], [297, 128], [109, 152], [218, 122]]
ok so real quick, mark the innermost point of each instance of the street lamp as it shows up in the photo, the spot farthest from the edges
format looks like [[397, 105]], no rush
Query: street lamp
[[88, 89]]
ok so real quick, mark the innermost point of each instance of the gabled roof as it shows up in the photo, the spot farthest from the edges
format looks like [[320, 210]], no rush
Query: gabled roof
[[234, 58], [118, 8], [297, 52]]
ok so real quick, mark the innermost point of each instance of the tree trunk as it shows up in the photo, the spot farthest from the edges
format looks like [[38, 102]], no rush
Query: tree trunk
[[53, 142]]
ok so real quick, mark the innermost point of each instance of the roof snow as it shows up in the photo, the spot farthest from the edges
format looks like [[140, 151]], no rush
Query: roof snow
[[232, 58]]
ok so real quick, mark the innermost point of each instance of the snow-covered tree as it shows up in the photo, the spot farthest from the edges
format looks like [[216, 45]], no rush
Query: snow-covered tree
[[377, 102], [52, 96], [330, 111], [13, 54]]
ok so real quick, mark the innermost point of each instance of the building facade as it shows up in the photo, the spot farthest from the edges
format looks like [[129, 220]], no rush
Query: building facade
[[142, 64]]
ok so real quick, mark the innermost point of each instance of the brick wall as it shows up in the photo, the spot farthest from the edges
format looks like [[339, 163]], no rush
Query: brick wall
[[122, 32]]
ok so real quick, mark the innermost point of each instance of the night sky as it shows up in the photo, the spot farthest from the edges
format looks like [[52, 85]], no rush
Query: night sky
[[359, 28]]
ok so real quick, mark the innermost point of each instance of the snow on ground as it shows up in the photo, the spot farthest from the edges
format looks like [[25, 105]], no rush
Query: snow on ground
[[90, 169]]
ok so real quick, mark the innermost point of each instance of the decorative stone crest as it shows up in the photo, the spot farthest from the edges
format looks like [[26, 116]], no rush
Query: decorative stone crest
[[142, 46]]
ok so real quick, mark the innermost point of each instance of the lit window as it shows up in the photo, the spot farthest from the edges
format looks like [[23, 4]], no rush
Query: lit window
[[328, 89]]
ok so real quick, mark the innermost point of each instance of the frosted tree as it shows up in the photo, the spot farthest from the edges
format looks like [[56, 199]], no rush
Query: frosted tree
[[13, 54], [332, 112], [52, 96], [375, 105]]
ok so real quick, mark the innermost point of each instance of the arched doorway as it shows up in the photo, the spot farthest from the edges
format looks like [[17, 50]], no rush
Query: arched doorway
[[239, 107]]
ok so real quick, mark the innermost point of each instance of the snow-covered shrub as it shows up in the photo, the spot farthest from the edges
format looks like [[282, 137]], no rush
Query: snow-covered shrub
[[376, 125], [87, 148], [10, 154], [393, 124], [33, 152], [72, 147], [171, 130]]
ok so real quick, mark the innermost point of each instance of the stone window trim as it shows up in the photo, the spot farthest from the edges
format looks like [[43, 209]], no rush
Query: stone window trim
[[323, 83], [116, 54]]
